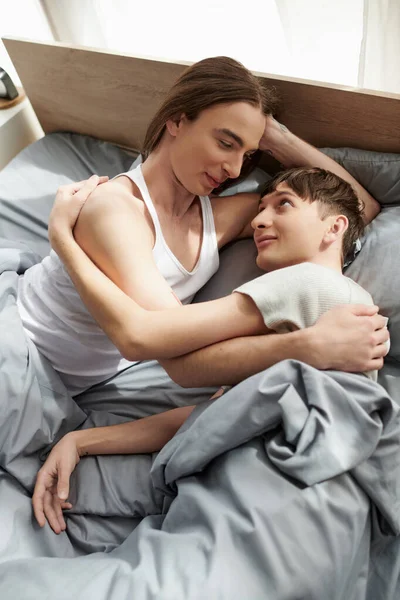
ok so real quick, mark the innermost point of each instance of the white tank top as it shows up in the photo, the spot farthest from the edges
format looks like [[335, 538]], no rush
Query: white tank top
[[55, 318]]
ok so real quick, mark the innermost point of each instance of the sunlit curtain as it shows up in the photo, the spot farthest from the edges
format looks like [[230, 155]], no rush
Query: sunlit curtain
[[298, 38], [380, 51], [354, 43], [25, 19]]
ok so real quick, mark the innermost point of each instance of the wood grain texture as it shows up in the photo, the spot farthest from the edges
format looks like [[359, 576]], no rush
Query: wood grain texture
[[113, 97]]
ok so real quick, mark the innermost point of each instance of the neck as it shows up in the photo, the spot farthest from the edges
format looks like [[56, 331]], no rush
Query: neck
[[165, 190], [332, 259]]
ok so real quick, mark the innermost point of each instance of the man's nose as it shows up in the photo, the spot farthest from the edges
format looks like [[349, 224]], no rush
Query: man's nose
[[262, 221], [233, 167]]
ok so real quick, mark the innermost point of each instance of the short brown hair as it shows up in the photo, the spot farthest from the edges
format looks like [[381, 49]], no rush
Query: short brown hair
[[208, 82], [335, 196]]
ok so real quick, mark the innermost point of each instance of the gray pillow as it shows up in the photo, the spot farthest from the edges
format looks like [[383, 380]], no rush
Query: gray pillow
[[378, 172], [376, 269], [237, 266], [28, 184]]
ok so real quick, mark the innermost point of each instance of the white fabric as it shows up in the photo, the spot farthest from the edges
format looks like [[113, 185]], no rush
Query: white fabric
[[295, 297], [352, 43], [380, 49], [184, 283], [57, 321]]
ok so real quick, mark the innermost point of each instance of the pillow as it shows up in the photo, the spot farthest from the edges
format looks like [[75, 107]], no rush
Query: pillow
[[28, 184], [377, 269], [377, 266], [378, 172], [252, 183], [237, 266]]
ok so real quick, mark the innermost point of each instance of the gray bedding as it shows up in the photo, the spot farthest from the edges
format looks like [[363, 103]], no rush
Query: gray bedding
[[286, 488]]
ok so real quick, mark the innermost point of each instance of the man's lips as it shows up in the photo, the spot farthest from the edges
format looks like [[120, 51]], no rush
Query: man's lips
[[214, 182], [264, 240]]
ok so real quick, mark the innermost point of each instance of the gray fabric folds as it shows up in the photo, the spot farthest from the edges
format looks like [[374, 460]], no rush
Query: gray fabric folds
[[286, 487]]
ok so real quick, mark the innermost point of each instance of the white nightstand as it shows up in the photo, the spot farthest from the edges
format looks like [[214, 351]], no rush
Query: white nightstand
[[19, 127]]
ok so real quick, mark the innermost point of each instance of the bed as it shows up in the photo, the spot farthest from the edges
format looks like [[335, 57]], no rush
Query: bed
[[296, 492]]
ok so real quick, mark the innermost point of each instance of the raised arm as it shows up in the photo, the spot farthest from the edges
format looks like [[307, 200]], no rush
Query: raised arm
[[292, 151], [233, 214]]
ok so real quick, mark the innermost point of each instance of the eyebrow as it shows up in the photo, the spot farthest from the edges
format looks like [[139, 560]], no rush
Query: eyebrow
[[292, 194], [232, 135]]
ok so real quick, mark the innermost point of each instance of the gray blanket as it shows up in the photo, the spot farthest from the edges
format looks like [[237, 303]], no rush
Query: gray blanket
[[285, 488]]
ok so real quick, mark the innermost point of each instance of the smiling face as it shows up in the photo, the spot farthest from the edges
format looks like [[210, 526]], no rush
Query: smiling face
[[289, 230], [207, 151]]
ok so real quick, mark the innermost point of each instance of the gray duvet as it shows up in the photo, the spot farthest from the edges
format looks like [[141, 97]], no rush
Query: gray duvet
[[285, 488]]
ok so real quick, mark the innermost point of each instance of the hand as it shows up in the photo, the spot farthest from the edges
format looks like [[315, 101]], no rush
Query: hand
[[350, 338], [52, 484], [67, 206], [274, 135]]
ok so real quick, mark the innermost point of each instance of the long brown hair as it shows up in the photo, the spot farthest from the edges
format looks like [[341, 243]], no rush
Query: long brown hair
[[206, 83]]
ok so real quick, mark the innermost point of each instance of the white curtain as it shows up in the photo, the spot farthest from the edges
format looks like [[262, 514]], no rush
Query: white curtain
[[25, 19], [348, 42], [380, 51]]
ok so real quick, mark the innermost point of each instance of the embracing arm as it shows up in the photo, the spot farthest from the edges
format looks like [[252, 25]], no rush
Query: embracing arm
[[292, 151], [113, 231], [348, 338], [140, 334], [111, 235]]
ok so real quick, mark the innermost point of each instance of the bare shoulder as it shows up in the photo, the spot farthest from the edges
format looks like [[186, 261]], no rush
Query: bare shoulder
[[110, 196], [111, 209], [232, 215], [112, 199]]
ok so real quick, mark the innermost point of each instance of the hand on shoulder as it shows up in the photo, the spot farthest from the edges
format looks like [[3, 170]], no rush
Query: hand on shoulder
[[68, 204]]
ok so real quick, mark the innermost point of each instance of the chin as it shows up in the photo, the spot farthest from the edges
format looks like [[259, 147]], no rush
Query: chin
[[268, 265]]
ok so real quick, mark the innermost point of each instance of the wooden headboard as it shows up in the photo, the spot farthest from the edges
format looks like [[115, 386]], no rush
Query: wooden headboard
[[112, 97]]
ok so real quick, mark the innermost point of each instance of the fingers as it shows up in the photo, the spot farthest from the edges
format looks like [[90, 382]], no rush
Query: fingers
[[59, 513], [91, 184], [381, 335], [379, 322], [364, 310], [51, 513], [63, 482], [38, 497]]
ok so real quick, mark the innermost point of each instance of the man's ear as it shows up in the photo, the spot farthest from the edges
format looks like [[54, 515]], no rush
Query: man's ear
[[338, 226], [173, 125]]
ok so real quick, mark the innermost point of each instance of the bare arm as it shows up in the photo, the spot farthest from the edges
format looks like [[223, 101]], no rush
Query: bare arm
[[149, 434], [232, 361], [113, 232], [140, 334], [347, 338], [136, 437], [292, 151], [234, 214]]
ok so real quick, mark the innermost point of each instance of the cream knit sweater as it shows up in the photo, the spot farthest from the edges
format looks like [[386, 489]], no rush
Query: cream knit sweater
[[295, 297]]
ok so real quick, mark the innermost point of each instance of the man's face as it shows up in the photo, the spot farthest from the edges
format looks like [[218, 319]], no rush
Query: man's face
[[287, 230], [207, 151]]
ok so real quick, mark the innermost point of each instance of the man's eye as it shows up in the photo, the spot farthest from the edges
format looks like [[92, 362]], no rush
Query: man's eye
[[285, 203]]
